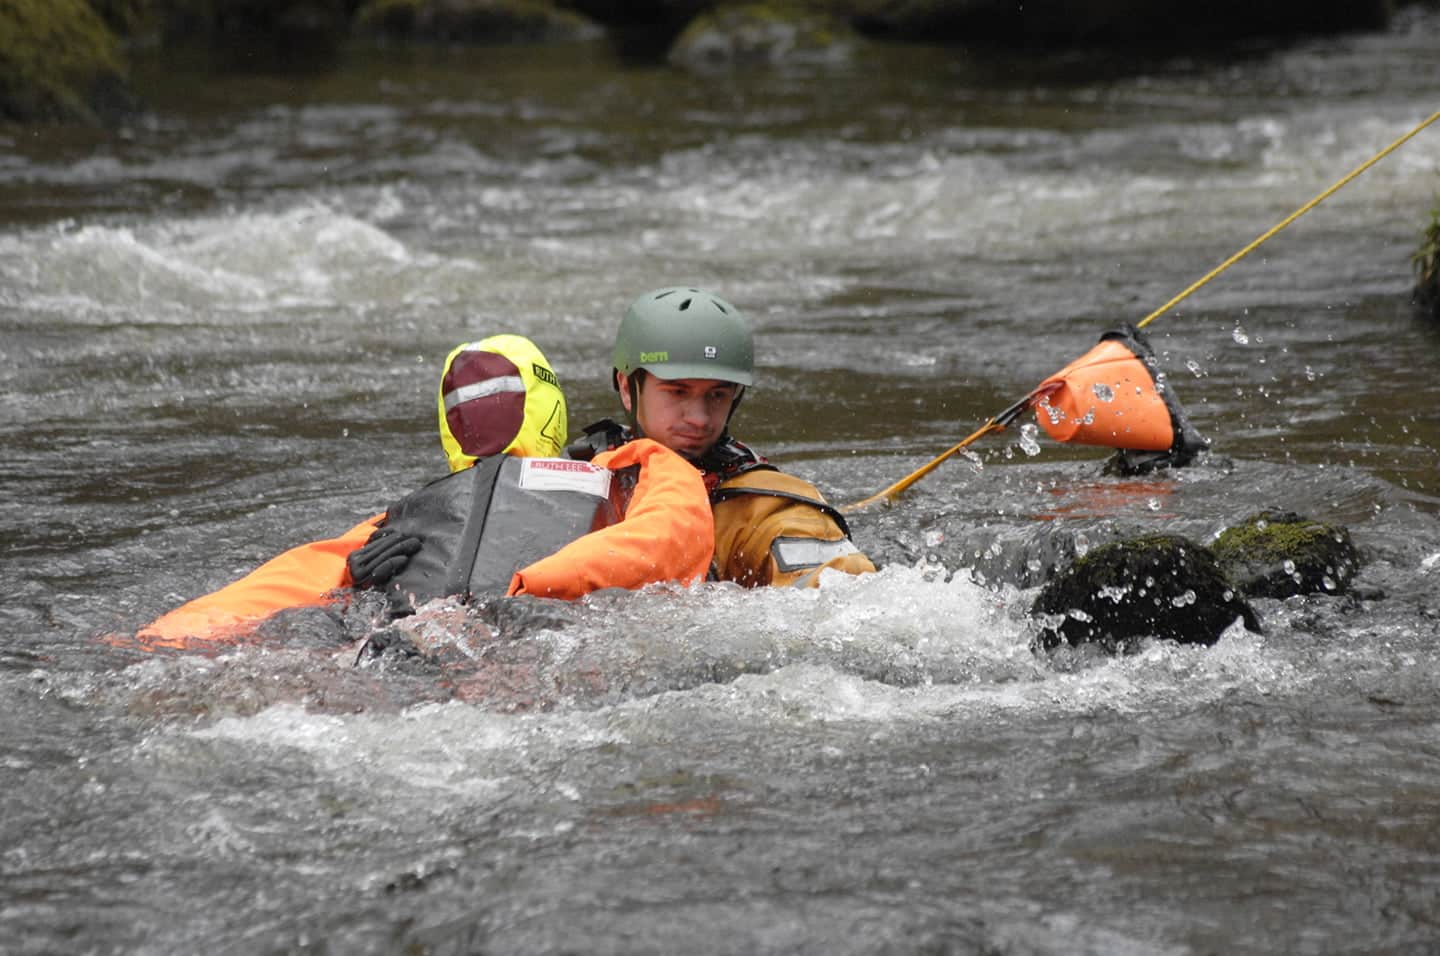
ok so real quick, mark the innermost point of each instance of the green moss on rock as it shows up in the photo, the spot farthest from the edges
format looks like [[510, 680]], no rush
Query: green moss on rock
[[59, 62], [1279, 554]]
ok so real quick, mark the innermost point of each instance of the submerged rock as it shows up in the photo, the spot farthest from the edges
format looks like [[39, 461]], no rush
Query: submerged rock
[[1279, 554], [1163, 586]]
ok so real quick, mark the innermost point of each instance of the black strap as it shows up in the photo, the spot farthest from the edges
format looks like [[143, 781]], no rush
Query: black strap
[[600, 436], [725, 494]]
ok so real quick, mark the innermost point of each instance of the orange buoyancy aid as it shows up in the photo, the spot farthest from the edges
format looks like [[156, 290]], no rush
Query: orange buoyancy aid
[[776, 529], [305, 575], [667, 533]]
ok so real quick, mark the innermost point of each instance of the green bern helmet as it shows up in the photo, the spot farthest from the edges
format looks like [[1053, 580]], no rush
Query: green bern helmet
[[686, 333]]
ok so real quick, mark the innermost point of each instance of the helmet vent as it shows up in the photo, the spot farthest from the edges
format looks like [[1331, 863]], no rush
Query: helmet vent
[[685, 305]]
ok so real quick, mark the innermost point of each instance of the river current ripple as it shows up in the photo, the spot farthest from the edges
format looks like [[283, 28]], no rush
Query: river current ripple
[[222, 329]]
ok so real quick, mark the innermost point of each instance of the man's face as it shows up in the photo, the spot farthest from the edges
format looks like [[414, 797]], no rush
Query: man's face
[[686, 415]]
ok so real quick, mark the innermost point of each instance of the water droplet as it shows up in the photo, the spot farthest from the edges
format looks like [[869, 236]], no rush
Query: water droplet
[[1028, 444], [1240, 336], [1103, 392]]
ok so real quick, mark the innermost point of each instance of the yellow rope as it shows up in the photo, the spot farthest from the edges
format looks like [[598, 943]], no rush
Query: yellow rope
[[1286, 221], [999, 422], [890, 493]]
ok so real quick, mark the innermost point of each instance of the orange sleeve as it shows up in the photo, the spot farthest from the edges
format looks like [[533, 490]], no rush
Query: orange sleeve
[[302, 576], [667, 534]]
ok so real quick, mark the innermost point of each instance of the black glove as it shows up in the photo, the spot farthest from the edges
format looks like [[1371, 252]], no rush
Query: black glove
[[381, 558]]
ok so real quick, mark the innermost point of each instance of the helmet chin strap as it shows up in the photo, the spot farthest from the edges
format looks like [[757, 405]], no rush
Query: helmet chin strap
[[632, 384], [739, 394]]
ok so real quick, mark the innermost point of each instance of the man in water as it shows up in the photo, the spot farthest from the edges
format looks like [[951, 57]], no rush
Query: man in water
[[499, 401], [682, 361]]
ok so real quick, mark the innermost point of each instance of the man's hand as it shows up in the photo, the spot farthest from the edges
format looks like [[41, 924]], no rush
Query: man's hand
[[381, 558]]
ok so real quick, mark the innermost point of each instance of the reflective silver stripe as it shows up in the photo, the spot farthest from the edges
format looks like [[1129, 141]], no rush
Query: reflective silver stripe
[[794, 553], [491, 386]]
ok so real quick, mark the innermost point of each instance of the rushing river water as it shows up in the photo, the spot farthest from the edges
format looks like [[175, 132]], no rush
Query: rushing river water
[[222, 332]]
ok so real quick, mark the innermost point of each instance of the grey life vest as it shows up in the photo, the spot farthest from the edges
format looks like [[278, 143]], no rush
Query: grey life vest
[[480, 525]]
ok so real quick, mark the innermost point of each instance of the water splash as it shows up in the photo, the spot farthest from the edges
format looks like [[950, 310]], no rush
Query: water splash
[[1028, 443]]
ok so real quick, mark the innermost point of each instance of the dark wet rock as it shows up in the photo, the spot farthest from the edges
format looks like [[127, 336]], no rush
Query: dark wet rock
[[59, 62], [1135, 24], [478, 22], [1130, 463], [763, 33], [261, 31], [1162, 586], [1279, 554], [1426, 260], [126, 17]]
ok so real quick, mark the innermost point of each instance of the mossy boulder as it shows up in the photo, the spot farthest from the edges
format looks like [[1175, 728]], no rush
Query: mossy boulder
[[1426, 261], [1158, 586], [1279, 554], [59, 62], [764, 34], [478, 22]]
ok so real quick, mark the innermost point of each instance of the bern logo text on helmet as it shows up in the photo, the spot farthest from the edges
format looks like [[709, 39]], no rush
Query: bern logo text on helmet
[[654, 356], [711, 352]]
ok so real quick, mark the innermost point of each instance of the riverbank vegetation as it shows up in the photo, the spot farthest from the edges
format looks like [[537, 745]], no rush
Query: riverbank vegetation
[[66, 60]]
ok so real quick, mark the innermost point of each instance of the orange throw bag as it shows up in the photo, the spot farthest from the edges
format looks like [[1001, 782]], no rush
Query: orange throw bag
[[1113, 396]]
